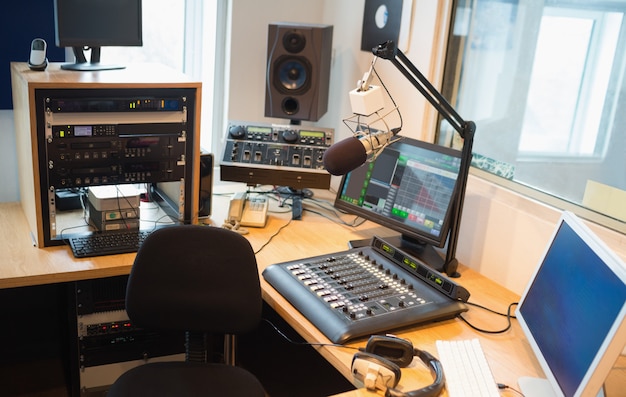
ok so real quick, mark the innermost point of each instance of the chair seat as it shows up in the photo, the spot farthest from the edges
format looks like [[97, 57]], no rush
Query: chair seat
[[186, 379]]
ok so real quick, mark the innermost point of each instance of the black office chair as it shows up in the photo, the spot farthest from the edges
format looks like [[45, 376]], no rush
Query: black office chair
[[200, 280]]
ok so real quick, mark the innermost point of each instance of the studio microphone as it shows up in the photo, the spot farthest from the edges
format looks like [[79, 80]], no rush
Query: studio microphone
[[348, 154]]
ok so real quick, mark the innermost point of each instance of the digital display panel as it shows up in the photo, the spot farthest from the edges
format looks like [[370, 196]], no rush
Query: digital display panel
[[83, 130], [259, 130], [410, 188], [312, 134]]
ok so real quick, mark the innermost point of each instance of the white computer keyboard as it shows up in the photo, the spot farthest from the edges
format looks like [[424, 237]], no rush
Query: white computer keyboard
[[466, 369]]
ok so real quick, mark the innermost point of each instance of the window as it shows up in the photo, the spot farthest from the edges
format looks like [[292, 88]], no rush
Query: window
[[543, 81], [182, 34], [574, 56]]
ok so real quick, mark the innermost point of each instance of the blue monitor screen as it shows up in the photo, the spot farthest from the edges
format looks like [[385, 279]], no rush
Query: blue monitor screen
[[571, 306]]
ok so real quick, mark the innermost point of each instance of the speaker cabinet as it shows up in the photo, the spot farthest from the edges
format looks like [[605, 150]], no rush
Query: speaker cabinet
[[298, 71]]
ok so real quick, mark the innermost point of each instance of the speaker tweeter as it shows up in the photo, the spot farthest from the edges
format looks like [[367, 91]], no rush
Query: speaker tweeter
[[298, 71]]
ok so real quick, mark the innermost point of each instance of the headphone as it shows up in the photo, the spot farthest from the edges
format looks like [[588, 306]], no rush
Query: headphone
[[378, 366]]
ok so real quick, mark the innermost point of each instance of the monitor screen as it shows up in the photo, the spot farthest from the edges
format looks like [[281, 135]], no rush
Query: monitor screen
[[96, 23], [410, 188], [572, 312]]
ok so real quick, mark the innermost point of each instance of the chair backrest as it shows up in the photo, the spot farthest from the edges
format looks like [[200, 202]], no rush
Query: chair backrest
[[195, 278]]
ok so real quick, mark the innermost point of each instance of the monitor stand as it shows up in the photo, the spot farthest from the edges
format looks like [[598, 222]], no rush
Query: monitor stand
[[540, 387], [94, 64], [417, 249]]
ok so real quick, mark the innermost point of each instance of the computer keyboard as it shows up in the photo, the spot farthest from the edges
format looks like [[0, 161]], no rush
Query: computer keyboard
[[109, 243], [466, 369]]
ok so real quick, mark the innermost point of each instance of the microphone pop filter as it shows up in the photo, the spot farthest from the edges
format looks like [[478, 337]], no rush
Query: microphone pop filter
[[344, 156]]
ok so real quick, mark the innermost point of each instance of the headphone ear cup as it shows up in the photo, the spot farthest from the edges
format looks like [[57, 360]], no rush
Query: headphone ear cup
[[375, 372], [397, 350]]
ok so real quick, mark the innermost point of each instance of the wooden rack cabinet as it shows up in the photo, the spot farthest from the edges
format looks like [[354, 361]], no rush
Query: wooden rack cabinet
[[156, 97]]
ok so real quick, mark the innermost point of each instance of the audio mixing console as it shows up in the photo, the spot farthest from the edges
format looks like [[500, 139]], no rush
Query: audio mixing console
[[367, 290]]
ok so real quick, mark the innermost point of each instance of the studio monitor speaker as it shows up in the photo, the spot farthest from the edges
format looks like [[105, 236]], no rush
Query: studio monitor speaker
[[298, 71]]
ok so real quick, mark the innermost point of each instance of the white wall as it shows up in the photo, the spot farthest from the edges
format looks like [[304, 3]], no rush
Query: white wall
[[503, 234], [250, 20]]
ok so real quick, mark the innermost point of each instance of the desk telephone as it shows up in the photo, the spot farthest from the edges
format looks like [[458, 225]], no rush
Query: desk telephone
[[248, 211]]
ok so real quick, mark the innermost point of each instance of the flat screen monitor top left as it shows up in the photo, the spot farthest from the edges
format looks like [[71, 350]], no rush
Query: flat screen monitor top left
[[94, 24]]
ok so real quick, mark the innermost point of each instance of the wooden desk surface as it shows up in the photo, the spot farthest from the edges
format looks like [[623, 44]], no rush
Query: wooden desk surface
[[508, 354]]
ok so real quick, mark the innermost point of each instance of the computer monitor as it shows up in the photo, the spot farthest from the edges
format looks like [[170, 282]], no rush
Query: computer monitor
[[82, 24], [572, 313], [410, 188]]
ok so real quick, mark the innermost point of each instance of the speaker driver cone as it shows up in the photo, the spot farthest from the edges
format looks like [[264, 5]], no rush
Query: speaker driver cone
[[292, 75], [294, 41]]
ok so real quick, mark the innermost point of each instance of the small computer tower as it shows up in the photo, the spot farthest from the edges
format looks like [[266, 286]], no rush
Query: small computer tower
[[206, 184]]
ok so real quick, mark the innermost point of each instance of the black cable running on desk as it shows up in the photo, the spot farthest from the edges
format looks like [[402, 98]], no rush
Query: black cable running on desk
[[110, 243]]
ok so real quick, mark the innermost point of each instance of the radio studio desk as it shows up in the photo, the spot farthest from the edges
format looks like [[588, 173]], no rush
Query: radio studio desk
[[509, 354]]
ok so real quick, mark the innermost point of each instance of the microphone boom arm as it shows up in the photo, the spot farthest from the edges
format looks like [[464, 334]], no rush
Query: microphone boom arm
[[466, 130]]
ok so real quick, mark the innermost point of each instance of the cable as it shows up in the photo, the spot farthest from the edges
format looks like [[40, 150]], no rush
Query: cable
[[305, 343], [507, 315], [272, 236], [502, 386], [390, 97]]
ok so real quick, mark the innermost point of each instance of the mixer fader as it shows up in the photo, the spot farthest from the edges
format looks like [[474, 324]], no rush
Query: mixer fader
[[366, 290]]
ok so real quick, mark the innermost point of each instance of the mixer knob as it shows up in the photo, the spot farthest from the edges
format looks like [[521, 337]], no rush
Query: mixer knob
[[363, 298], [352, 315], [290, 136], [237, 132], [401, 304], [369, 312]]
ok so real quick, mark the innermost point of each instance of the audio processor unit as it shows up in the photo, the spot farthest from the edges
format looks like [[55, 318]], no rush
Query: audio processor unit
[[91, 138], [106, 342], [111, 141], [367, 290], [273, 154]]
